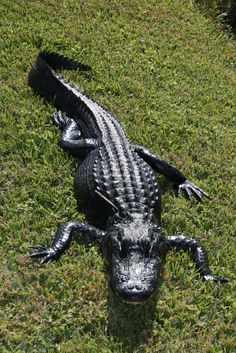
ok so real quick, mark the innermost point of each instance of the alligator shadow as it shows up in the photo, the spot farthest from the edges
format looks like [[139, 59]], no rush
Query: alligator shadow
[[132, 325], [224, 10]]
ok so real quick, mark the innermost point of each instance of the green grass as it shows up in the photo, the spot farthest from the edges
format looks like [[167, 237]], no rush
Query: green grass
[[167, 72]]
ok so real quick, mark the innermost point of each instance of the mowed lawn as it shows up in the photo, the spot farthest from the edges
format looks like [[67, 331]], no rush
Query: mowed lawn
[[167, 72]]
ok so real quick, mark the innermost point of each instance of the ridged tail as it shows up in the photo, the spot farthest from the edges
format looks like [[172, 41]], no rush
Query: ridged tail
[[48, 83]]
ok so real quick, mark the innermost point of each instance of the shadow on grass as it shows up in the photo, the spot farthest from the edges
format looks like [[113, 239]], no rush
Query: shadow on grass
[[224, 9], [132, 325]]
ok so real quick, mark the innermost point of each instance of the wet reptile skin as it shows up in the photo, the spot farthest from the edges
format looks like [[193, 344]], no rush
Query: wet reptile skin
[[118, 180]]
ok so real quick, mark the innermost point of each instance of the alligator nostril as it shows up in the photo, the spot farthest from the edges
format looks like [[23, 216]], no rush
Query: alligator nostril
[[137, 286]]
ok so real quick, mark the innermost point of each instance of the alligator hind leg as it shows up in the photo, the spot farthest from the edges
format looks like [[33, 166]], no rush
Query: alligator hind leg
[[181, 183], [63, 238], [198, 253], [71, 136], [60, 119]]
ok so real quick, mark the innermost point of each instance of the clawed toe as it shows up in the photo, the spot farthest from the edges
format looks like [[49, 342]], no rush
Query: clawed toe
[[47, 259], [37, 247], [191, 191], [46, 255], [39, 254], [60, 119], [216, 279]]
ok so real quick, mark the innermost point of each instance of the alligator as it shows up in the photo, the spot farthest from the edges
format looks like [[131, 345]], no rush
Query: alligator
[[118, 179]]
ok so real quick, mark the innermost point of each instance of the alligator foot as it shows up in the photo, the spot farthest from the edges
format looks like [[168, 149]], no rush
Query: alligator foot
[[208, 278], [63, 238], [181, 184], [190, 190], [71, 140], [199, 256], [60, 119], [47, 255]]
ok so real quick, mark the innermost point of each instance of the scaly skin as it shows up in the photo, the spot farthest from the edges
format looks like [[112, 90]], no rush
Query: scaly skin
[[119, 180]]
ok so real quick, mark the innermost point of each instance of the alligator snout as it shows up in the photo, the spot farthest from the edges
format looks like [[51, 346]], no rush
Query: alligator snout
[[134, 286], [134, 292]]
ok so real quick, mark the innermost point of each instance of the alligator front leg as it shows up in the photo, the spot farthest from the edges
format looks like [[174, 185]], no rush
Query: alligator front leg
[[199, 256], [181, 183], [63, 238], [71, 137]]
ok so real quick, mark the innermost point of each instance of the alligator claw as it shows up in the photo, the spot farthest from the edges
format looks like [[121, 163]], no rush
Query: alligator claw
[[47, 255], [60, 119], [190, 190], [46, 259], [208, 278], [37, 247]]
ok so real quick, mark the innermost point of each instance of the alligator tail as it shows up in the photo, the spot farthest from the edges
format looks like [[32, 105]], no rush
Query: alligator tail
[[59, 62], [50, 85]]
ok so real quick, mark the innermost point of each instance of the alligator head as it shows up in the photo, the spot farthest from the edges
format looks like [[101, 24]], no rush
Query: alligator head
[[134, 251]]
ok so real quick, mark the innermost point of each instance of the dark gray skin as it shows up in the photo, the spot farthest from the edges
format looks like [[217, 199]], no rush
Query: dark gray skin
[[119, 180]]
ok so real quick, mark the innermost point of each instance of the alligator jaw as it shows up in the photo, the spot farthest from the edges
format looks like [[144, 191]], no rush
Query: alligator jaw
[[130, 301], [133, 299]]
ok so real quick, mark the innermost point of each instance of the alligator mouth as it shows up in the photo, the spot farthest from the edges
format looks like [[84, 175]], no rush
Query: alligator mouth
[[134, 297]]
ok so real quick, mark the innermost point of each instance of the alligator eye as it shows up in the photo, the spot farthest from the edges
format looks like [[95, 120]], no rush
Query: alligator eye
[[157, 245], [124, 247], [145, 245], [124, 278]]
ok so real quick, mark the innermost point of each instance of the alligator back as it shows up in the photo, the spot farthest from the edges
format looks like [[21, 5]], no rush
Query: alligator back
[[113, 172]]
